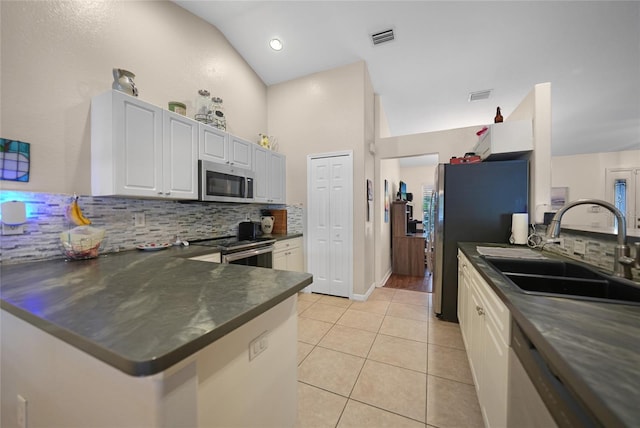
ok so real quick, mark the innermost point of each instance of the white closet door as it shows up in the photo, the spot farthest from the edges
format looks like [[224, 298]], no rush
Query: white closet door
[[330, 255]]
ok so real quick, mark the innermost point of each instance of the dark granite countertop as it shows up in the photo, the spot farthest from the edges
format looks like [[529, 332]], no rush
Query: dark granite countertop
[[594, 347], [141, 311]]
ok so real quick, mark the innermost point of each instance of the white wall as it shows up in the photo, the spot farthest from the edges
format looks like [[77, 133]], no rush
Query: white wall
[[536, 106], [416, 177], [584, 175], [321, 113], [56, 55], [369, 258], [389, 170]]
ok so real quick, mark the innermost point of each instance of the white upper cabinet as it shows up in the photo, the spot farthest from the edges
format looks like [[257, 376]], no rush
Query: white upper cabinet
[[218, 146], [180, 156], [240, 152], [270, 170], [137, 149], [213, 144]]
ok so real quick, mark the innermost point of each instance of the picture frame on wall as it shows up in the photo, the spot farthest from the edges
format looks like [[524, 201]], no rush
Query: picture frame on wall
[[559, 197], [386, 201], [369, 198]]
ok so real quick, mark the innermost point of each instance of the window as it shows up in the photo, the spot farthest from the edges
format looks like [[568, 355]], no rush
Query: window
[[620, 196], [427, 201]]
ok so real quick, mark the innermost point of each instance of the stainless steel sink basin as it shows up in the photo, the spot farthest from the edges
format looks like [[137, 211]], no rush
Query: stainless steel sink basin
[[566, 279]]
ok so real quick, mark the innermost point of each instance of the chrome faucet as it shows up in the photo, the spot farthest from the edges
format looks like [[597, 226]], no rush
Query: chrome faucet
[[622, 262]]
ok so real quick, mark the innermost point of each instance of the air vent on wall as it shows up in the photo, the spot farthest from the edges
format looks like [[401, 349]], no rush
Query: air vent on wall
[[479, 95], [382, 37]]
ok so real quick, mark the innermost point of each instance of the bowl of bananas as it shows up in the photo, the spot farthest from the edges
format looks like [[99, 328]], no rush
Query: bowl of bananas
[[82, 241]]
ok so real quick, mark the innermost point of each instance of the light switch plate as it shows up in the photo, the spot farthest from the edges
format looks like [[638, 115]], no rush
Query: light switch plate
[[258, 345], [139, 219]]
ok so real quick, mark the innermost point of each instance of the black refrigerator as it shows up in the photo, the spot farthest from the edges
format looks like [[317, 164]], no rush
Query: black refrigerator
[[473, 203]]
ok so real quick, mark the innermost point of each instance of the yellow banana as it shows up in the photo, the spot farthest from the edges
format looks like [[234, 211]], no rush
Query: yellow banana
[[74, 213]]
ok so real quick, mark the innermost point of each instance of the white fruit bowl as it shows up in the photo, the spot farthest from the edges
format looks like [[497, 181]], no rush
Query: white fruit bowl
[[82, 242]]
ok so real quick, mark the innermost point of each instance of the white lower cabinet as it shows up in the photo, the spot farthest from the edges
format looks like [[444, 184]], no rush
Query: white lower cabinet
[[485, 326], [288, 255]]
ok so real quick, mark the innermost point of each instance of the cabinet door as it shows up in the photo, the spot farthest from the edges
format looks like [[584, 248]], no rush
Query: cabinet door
[[269, 169], [496, 376], [463, 296], [277, 178], [240, 152], [295, 259], [180, 165], [261, 171], [137, 138], [280, 260], [476, 337], [213, 144]]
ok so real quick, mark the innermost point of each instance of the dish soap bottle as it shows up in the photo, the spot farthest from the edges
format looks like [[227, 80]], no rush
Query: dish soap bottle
[[498, 118]]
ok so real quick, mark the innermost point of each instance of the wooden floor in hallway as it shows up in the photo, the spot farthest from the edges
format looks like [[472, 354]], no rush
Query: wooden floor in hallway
[[414, 283]]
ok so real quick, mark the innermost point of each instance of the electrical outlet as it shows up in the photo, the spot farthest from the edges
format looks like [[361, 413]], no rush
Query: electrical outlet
[[258, 345], [22, 412], [11, 229], [579, 247], [139, 219]]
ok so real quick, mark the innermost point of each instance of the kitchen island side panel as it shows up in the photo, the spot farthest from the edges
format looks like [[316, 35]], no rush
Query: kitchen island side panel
[[218, 386]]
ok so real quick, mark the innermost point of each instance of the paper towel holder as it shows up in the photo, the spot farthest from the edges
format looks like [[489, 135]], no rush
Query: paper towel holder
[[14, 216]]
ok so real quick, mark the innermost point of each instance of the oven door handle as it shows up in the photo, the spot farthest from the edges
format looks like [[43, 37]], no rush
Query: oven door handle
[[228, 258]]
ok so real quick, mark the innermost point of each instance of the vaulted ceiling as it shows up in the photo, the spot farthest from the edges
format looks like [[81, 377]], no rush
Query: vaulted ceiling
[[442, 51]]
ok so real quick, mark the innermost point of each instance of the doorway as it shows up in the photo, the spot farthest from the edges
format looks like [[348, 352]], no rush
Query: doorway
[[417, 173]]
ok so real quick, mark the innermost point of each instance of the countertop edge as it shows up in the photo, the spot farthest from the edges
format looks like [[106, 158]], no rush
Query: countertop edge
[[156, 364], [590, 399]]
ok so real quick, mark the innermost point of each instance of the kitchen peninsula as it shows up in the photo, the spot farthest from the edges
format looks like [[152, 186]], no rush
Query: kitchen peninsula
[[143, 338]]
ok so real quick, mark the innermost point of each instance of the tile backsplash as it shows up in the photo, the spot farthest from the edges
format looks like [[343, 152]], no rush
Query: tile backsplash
[[593, 248], [163, 221]]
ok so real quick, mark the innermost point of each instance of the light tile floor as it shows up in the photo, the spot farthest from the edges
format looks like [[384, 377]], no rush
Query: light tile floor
[[386, 362]]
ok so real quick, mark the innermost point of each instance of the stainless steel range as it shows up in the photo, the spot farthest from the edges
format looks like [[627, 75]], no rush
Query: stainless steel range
[[258, 252]]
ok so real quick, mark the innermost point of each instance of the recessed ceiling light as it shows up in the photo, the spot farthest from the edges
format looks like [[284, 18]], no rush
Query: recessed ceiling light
[[275, 44]]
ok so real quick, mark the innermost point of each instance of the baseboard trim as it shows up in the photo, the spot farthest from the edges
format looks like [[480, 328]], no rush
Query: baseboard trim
[[386, 278], [365, 296]]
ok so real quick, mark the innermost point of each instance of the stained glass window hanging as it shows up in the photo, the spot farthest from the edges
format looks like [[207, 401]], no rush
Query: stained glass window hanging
[[620, 196], [15, 160]]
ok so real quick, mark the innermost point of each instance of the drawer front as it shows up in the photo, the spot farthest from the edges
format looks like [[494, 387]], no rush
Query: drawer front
[[287, 244]]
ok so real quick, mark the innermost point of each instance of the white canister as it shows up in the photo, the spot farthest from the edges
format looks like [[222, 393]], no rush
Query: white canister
[[519, 228]]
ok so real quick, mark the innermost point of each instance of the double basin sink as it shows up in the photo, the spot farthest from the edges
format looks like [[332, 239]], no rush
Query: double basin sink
[[550, 277]]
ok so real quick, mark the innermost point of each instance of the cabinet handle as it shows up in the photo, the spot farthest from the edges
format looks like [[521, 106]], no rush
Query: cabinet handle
[[168, 193], [479, 310], [159, 193]]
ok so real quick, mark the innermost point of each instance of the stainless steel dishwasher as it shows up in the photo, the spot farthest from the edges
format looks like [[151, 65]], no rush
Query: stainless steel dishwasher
[[537, 397]]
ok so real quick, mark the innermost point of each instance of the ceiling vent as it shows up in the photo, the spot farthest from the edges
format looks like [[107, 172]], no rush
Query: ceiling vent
[[382, 37], [479, 95]]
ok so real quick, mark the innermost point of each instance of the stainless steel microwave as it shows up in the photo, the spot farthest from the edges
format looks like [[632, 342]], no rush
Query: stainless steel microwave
[[224, 183]]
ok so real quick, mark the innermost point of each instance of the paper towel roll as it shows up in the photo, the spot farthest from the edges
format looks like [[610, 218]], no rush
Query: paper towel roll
[[519, 228]]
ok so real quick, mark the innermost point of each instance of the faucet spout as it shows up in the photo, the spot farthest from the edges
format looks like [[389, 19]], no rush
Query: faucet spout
[[622, 249]]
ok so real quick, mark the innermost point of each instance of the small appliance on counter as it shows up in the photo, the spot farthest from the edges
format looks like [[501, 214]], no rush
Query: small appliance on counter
[[248, 230]]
